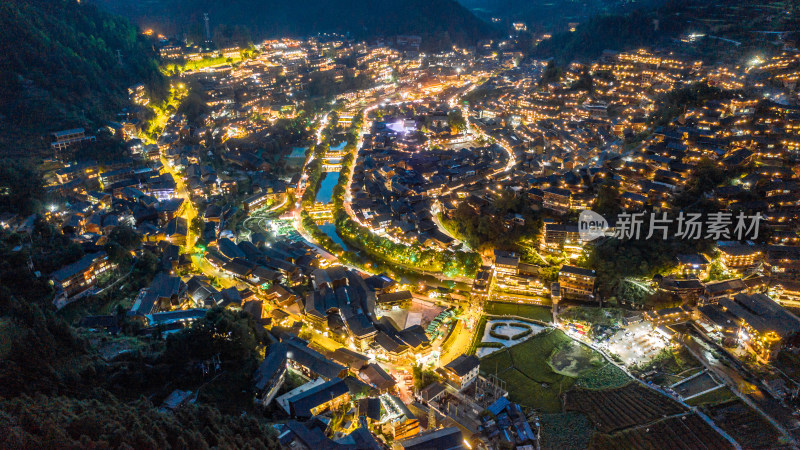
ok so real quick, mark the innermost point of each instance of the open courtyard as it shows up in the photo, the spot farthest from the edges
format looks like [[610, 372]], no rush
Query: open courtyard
[[636, 344]]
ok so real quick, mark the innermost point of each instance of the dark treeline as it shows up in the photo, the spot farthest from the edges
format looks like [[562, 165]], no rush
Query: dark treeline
[[548, 14], [64, 422], [60, 69], [441, 23], [614, 32], [55, 390], [676, 102], [490, 229]]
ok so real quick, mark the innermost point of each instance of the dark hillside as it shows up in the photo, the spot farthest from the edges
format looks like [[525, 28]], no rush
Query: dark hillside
[[439, 22], [59, 69]]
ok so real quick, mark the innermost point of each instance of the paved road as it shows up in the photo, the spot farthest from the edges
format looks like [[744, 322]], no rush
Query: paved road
[[189, 211], [459, 344], [445, 231]]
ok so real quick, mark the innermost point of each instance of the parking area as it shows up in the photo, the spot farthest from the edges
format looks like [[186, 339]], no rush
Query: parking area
[[636, 343]]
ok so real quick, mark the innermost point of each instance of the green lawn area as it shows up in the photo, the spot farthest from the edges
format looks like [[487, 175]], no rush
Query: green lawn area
[[542, 396], [714, 397], [528, 372], [532, 359], [536, 312], [497, 362], [539, 370]]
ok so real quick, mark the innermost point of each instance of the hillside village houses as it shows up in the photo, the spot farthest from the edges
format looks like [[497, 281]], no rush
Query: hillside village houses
[[551, 145]]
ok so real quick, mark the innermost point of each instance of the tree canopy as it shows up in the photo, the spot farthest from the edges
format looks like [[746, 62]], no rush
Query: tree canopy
[[231, 335], [440, 23], [66, 64], [64, 422]]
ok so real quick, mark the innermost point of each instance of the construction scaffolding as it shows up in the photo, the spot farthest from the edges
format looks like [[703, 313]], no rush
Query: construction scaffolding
[[488, 389]]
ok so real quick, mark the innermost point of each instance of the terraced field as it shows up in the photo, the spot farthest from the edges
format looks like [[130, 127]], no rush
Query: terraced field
[[569, 382], [687, 431], [616, 409], [745, 425]]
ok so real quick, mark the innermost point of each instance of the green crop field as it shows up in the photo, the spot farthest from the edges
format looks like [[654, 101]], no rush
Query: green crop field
[[745, 425], [606, 376], [565, 431], [538, 371]]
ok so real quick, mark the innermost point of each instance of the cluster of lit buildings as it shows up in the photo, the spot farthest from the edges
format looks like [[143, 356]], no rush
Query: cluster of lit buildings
[[561, 141]]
